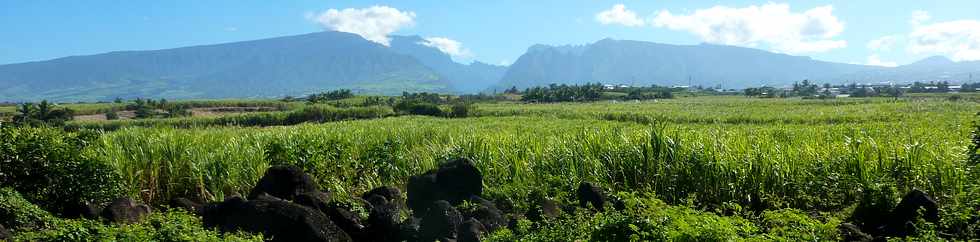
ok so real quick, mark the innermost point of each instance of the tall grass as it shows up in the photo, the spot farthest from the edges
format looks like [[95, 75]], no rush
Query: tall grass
[[809, 166], [316, 114]]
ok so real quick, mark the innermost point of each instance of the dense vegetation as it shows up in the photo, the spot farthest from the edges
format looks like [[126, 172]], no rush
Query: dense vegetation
[[689, 169]]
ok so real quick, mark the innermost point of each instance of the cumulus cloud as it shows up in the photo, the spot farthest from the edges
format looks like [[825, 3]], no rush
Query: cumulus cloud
[[618, 14], [960, 39], [884, 43], [874, 60], [773, 24], [374, 23], [446, 45]]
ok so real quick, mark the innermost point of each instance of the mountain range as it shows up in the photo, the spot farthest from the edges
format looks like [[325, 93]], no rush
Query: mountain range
[[309, 63], [645, 63]]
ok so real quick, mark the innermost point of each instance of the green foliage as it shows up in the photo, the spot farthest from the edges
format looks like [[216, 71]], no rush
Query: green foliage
[[314, 113], [111, 115], [47, 166], [563, 93], [330, 96], [974, 150], [418, 108], [160, 226], [775, 168], [460, 110], [795, 225], [42, 113], [18, 214]]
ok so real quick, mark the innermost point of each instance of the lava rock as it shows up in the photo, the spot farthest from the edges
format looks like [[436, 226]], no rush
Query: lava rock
[[545, 208], [390, 194], [186, 204], [487, 213], [908, 208], [851, 232], [82, 210], [422, 190], [440, 222], [901, 222], [471, 231], [454, 181], [345, 219], [591, 194], [383, 223], [460, 179], [409, 229], [284, 182], [377, 200], [278, 220], [125, 210], [319, 201]]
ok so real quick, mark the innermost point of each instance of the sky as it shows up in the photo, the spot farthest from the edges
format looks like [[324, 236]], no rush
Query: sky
[[874, 32]]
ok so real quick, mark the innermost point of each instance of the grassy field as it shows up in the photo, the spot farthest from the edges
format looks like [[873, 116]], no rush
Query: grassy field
[[708, 155]]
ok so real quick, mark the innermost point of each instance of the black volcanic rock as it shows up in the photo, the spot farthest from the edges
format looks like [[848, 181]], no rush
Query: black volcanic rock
[[440, 222], [454, 181], [125, 210], [591, 194], [277, 219], [285, 182]]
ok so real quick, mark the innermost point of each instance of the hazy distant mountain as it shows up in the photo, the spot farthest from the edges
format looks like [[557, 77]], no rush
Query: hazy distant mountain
[[474, 77], [644, 63], [936, 68], [302, 64], [292, 65]]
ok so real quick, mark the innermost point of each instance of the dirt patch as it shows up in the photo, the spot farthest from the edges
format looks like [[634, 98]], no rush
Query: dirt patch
[[101, 116]]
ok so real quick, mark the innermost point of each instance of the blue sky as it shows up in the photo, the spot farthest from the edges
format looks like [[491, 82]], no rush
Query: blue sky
[[866, 32]]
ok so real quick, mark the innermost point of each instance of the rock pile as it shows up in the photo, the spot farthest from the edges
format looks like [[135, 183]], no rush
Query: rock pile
[[899, 222]]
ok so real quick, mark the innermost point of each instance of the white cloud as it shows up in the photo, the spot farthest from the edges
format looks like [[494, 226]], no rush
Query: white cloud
[[618, 14], [446, 45], [919, 17], [774, 24], [884, 43], [374, 23], [960, 39], [874, 60]]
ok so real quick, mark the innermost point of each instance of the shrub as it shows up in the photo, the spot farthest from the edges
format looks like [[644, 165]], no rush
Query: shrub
[[46, 166], [795, 225], [174, 225], [418, 108], [460, 110], [111, 115], [20, 214]]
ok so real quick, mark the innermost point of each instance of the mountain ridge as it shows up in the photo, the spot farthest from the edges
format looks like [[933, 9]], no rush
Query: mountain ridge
[[319, 61]]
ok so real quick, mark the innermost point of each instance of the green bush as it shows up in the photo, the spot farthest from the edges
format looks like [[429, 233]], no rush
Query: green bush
[[48, 168], [460, 110], [795, 225], [174, 225], [418, 108], [19, 214]]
